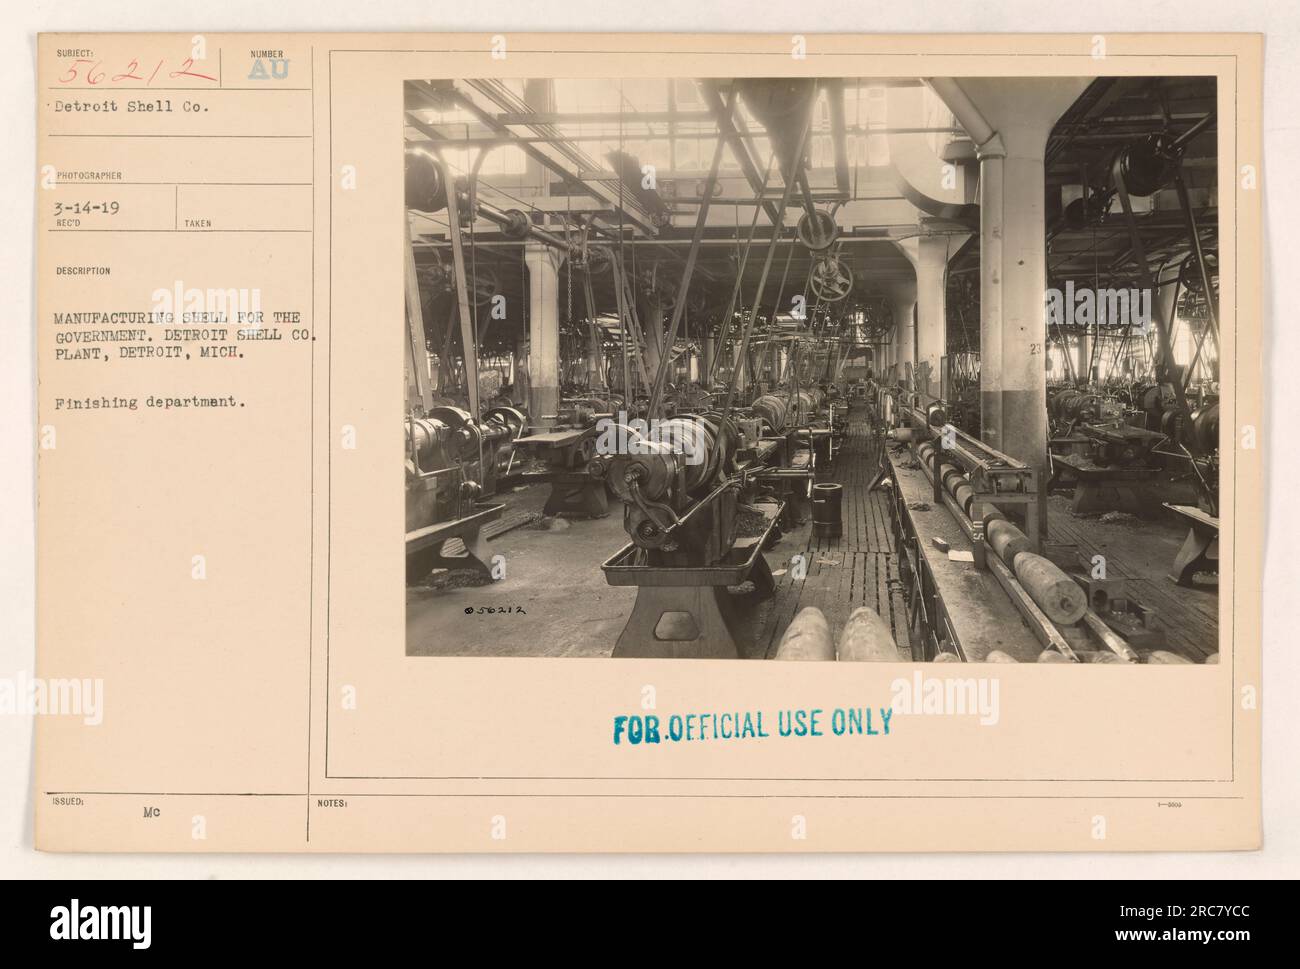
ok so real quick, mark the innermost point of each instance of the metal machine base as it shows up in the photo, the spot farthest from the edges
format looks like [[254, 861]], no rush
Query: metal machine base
[[1102, 489], [684, 611], [577, 495], [689, 622], [1195, 556], [424, 547]]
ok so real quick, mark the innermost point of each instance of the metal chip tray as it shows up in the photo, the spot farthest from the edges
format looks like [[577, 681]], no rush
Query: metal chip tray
[[435, 535], [732, 570]]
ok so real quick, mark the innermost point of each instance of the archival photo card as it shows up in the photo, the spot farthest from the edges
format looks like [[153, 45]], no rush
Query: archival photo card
[[808, 443]]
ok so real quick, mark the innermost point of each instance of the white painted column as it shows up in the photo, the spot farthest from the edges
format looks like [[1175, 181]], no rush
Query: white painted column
[[1009, 120], [902, 302], [933, 254], [543, 332]]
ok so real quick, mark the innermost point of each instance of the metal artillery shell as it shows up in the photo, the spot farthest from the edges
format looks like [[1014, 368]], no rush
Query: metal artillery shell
[[867, 638], [808, 637], [952, 477], [1007, 540], [1051, 589], [993, 515], [964, 494]]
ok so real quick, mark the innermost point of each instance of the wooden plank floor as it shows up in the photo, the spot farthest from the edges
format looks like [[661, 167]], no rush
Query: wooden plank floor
[[858, 568], [1142, 552]]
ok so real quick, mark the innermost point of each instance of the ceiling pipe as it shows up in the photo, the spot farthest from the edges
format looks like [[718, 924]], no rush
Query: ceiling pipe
[[992, 153], [987, 141]]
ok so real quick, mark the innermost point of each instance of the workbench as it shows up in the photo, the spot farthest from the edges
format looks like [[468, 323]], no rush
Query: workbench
[[968, 602]]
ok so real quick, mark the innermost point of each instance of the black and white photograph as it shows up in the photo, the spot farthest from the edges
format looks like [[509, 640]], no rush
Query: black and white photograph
[[910, 370]]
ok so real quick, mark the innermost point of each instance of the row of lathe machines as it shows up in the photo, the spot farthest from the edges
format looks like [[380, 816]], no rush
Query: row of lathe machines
[[703, 491]]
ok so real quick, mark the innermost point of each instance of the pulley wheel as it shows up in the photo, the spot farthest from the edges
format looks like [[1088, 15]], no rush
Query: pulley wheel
[[817, 230], [598, 261], [831, 280], [510, 417], [425, 190], [1189, 274], [1147, 164]]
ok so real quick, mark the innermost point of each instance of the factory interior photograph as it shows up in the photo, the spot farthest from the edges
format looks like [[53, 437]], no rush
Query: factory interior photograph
[[839, 369]]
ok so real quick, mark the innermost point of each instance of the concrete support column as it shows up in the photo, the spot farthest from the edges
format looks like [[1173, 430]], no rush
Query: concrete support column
[[742, 379], [519, 375], [1009, 120], [1016, 392], [543, 332], [543, 375], [1083, 364], [932, 257], [902, 302], [907, 340]]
